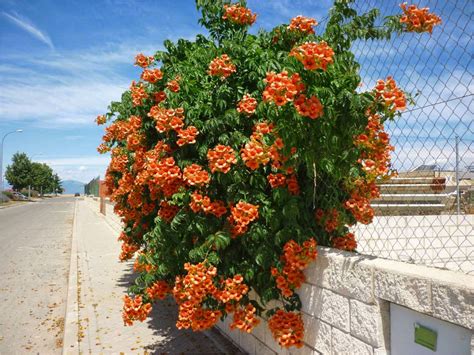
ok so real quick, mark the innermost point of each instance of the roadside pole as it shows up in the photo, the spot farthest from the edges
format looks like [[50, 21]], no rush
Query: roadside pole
[[102, 205], [458, 195]]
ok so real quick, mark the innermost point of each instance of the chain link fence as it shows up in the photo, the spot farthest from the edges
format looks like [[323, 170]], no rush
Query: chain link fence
[[92, 187], [426, 214]]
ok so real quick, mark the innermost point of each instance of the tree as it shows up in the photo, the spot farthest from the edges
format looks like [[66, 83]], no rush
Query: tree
[[24, 173], [56, 185], [18, 174], [41, 177]]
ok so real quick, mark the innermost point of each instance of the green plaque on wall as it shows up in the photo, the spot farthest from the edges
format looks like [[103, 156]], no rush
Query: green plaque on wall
[[425, 337]]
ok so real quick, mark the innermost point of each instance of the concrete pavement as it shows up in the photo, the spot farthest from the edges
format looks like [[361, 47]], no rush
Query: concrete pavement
[[97, 283], [35, 241]]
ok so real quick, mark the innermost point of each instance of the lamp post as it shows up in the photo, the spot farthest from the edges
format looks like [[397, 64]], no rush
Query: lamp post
[[1, 160]]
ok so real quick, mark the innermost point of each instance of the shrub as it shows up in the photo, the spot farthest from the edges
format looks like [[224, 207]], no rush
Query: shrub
[[6, 196], [239, 154]]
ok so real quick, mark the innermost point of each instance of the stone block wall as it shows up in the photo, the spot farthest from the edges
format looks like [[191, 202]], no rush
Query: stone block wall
[[346, 301]]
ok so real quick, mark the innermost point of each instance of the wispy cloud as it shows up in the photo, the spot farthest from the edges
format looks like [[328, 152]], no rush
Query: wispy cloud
[[26, 25], [66, 89]]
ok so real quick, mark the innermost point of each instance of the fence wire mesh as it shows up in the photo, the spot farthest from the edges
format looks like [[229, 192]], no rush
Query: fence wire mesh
[[92, 187], [426, 214]]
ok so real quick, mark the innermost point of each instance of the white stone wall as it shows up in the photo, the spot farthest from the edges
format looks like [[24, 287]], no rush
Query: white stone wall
[[346, 301]]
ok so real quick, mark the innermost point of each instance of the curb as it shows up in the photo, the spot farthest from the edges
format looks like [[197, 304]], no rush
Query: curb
[[13, 205], [71, 323]]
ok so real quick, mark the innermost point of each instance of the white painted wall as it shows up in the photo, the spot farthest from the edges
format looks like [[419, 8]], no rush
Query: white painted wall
[[451, 339]]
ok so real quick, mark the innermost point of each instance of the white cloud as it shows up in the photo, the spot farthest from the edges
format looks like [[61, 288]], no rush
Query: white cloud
[[26, 25], [92, 160], [82, 169], [65, 89], [290, 8]]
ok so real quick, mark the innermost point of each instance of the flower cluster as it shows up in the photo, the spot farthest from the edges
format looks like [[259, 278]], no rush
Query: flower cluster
[[329, 219], [187, 135], [345, 242], [360, 208], [141, 264], [232, 289], [376, 148], [173, 85], [311, 107], [282, 88], [221, 158], [418, 19], [287, 328], [159, 290], [167, 211], [143, 61], [295, 259], [241, 215], [190, 292], [239, 14], [280, 180], [203, 203], [134, 310], [313, 55], [195, 175], [152, 76], [374, 160], [222, 67], [247, 105], [167, 119], [257, 152], [166, 175], [303, 24], [276, 180], [138, 93], [159, 96], [245, 319], [101, 119], [393, 98], [129, 247]]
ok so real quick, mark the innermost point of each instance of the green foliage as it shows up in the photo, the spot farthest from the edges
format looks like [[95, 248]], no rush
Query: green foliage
[[18, 174], [24, 173], [324, 162]]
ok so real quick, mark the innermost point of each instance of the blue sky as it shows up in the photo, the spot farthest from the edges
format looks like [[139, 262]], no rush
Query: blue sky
[[62, 62]]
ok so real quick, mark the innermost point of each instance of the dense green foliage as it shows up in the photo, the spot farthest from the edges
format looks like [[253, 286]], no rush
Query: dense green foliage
[[24, 173]]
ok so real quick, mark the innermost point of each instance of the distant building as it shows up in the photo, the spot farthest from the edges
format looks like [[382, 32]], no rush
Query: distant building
[[466, 177]]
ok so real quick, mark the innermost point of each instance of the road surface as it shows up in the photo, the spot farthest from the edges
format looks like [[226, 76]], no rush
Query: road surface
[[35, 241]]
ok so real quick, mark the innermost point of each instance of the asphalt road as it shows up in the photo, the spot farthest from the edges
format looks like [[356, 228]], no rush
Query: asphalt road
[[35, 240]]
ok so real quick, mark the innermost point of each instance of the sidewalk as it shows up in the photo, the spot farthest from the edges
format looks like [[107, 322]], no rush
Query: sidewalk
[[97, 282]]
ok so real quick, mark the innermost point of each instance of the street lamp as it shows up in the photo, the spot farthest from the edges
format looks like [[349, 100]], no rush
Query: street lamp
[[1, 161]]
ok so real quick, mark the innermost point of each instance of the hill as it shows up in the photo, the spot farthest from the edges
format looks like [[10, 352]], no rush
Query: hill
[[72, 186]]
